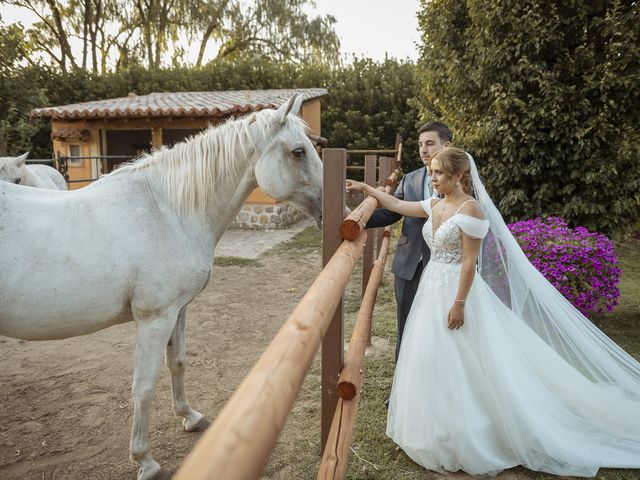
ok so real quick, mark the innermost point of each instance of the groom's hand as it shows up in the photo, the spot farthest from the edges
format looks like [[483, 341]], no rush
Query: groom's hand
[[456, 317]]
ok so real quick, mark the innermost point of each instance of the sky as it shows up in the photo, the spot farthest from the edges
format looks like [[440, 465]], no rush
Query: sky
[[371, 28], [367, 28]]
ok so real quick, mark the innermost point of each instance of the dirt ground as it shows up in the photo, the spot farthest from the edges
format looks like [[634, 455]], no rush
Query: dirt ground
[[66, 408]]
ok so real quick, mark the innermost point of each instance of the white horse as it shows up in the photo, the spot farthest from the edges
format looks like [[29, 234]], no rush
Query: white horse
[[155, 223], [14, 170]]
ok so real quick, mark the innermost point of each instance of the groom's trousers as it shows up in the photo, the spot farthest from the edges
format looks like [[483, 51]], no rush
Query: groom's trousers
[[405, 290]]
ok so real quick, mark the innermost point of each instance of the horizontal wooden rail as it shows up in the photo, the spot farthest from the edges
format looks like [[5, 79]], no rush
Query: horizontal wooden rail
[[317, 139], [354, 223], [373, 152], [336, 452], [358, 218], [393, 178], [238, 444]]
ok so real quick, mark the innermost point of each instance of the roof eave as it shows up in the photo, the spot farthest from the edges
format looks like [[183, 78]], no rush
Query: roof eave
[[55, 114]]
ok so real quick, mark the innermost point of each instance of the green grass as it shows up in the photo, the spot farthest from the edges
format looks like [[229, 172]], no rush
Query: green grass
[[235, 262], [373, 455], [306, 241], [623, 324]]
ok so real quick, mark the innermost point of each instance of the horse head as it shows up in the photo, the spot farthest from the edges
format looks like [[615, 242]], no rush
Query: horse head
[[12, 168], [288, 167]]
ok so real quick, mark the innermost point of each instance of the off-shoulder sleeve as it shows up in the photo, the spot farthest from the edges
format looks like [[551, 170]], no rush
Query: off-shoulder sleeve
[[426, 205], [471, 226]]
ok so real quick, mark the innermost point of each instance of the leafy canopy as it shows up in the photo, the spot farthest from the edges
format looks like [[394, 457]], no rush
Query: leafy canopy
[[101, 35]]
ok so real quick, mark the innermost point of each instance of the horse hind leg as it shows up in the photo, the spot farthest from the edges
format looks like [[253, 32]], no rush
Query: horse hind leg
[[153, 333], [175, 358]]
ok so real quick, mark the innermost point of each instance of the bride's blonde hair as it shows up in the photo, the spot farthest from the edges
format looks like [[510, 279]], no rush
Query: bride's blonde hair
[[453, 161]]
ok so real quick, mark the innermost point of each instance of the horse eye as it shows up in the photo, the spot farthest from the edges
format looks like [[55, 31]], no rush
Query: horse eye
[[298, 153]]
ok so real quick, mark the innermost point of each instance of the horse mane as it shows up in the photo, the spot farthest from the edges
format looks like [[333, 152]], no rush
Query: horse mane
[[190, 170]]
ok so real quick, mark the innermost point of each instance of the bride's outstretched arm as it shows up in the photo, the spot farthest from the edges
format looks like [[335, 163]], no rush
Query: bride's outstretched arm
[[410, 209], [470, 253]]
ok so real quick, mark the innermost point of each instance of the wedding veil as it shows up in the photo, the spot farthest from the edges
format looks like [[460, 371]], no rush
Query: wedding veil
[[504, 266]]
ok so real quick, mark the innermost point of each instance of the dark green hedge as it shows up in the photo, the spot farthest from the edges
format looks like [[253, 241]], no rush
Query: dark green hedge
[[368, 102], [546, 95]]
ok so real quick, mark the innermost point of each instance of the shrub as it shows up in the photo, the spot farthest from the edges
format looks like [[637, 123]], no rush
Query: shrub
[[580, 264], [545, 95]]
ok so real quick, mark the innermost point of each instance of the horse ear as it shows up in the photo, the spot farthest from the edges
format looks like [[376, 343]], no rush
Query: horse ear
[[292, 106], [21, 159]]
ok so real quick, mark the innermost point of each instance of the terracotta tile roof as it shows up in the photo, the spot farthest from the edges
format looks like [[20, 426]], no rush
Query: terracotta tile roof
[[177, 104]]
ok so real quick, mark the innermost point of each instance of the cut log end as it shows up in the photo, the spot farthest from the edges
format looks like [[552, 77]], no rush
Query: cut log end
[[346, 390], [349, 229]]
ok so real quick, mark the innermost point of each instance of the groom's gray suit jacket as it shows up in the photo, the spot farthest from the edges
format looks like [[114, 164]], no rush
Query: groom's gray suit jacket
[[411, 245]]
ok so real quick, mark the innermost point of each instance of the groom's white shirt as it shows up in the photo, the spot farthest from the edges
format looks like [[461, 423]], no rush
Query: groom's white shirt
[[427, 186], [426, 190]]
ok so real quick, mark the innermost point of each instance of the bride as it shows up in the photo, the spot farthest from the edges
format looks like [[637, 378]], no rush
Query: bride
[[496, 368]]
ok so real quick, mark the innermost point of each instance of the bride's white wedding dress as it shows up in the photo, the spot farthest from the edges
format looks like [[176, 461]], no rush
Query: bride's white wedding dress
[[493, 394]]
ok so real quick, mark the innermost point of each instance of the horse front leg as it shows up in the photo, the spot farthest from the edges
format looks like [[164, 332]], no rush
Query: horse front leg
[[152, 336], [175, 358]]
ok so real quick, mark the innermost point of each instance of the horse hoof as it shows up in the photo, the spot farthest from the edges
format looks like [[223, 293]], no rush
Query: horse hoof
[[163, 474], [201, 426]]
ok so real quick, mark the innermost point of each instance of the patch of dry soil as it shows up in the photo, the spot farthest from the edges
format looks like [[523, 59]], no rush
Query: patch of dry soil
[[65, 405]]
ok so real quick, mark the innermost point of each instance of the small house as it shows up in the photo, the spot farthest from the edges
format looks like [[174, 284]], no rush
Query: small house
[[93, 138]]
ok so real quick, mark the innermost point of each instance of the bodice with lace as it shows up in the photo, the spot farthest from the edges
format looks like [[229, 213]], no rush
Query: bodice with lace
[[446, 243]]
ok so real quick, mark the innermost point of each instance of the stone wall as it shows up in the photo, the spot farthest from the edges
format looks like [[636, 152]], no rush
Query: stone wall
[[275, 216]]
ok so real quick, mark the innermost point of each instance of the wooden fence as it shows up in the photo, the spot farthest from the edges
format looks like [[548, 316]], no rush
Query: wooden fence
[[238, 444]]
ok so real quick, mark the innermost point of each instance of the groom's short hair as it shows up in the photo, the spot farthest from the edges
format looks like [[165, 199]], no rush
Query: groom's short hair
[[443, 131]]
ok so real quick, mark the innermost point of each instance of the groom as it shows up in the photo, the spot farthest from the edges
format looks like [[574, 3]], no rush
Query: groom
[[412, 253]]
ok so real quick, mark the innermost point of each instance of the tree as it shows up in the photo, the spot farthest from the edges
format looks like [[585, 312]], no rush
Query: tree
[[152, 32], [545, 95], [14, 47], [62, 22], [15, 128], [280, 30], [208, 21], [49, 34], [369, 103]]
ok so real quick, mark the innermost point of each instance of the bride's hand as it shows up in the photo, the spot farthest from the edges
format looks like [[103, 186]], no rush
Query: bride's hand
[[353, 185], [456, 316]]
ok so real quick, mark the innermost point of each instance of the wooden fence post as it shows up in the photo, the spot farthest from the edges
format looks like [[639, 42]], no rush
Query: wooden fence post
[[398, 159], [333, 205], [386, 167], [370, 170]]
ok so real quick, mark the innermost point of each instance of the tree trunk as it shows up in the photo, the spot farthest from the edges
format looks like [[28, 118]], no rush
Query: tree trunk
[[205, 39], [85, 30], [65, 49]]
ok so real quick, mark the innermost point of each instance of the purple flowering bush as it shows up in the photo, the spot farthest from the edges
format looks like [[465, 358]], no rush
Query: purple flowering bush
[[579, 263]]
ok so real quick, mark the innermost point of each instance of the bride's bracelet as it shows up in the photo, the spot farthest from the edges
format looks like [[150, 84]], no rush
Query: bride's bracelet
[[461, 301]]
